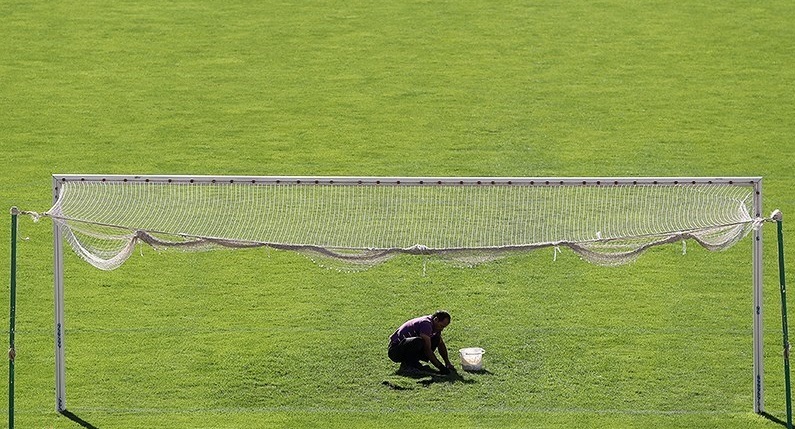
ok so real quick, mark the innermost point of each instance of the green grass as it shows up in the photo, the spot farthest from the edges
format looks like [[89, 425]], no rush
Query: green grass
[[268, 339]]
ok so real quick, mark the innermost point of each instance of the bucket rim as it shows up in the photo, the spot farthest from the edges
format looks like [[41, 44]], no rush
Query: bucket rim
[[472, 351]]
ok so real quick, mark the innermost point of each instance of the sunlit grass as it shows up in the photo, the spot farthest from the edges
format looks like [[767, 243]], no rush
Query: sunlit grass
[[269, 339]]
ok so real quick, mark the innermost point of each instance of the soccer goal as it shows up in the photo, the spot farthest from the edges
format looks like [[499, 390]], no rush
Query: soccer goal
[[357, 222]]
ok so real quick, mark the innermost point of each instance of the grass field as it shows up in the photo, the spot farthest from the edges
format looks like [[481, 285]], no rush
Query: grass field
[[259, 338]]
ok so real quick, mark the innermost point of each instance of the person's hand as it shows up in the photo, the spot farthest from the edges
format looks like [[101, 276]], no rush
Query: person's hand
[[450, 366], [444, 370]]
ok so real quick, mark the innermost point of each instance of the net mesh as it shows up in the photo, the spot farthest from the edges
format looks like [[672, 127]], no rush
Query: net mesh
[[359, 225]]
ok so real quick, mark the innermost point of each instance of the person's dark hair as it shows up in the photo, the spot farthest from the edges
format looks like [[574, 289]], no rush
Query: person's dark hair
[[441, 315]]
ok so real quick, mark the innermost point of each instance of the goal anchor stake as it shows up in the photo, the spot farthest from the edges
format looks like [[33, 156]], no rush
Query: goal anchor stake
[[779, 218]]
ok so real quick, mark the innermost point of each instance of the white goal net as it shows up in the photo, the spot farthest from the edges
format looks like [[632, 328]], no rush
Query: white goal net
[[364, 221]]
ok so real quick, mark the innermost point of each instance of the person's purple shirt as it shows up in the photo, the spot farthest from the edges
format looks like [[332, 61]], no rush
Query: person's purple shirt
[[413, 328]]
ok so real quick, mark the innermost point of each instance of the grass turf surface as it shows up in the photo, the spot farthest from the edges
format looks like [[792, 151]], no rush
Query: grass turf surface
[[264, 339]]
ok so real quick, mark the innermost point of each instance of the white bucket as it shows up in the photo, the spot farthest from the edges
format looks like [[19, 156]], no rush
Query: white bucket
[[472, 358]]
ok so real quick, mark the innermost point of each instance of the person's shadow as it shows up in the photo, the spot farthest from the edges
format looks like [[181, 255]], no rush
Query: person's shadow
[[427, 376], [451, 378]]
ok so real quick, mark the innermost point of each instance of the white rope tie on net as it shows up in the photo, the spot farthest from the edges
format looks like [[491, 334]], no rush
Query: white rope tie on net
[[33, 215], [418, 249]]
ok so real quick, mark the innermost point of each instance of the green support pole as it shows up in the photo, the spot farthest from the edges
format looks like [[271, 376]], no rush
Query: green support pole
[[12, 324], [778, 218]]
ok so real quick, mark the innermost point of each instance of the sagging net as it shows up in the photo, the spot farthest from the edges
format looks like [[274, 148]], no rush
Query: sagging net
[[359, 225]]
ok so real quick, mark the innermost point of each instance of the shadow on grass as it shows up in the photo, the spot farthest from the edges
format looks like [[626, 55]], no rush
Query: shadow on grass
[[71, 416], [427, 376], [452, 378], [773, 419]]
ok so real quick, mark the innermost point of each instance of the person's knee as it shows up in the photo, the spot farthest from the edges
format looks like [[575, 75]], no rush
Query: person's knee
[[394, 353]]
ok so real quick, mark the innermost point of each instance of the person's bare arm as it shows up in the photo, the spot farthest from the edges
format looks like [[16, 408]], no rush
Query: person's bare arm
[[443, 354], [429, 352]]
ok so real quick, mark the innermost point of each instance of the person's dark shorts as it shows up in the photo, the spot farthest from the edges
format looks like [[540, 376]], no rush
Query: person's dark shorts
[[410, 350]]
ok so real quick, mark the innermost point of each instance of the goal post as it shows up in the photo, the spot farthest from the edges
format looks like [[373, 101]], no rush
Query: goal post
[[758, 333], [59, 325], [362, 221]]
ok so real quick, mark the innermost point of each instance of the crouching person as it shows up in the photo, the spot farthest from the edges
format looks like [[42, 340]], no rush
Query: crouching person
[[417, 340]]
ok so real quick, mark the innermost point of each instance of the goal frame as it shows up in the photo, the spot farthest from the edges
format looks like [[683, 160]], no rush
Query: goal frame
[[754, 182]]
